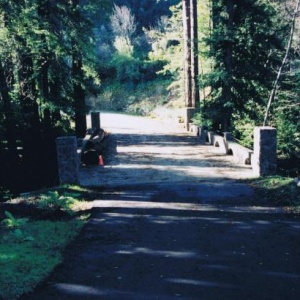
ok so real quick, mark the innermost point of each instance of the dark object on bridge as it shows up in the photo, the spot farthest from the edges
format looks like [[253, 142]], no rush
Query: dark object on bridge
[[90, 155], [92, 146]]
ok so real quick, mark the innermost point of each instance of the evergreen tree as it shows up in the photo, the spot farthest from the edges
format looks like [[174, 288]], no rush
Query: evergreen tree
[[191, 64], [47, 67], [147, 12], [194, 54], [187, 69], [245, 42]]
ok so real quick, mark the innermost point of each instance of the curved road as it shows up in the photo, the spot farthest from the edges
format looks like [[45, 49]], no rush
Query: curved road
[[172, 223]]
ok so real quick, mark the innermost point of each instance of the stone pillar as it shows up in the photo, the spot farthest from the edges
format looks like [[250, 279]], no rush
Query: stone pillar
[[227, 136], [227, 139], [195, 130], [265, 146], [189, 114], [67, 159], [210, 137], [202, 134], [95, 119]]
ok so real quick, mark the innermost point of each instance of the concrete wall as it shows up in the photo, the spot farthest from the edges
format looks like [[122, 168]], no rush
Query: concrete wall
[[265, 148], [263, 158], [68, 160]]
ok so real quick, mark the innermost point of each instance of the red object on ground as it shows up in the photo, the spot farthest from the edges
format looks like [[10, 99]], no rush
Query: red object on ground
[[101, 160]]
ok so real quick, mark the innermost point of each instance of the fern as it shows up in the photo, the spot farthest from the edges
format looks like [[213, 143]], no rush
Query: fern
[[13, 222], [54, 201]]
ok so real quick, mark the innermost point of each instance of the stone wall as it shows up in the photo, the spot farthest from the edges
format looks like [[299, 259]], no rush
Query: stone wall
[[68, 160], [265, 148]]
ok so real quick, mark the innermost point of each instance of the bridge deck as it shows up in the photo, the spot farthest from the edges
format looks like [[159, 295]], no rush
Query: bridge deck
[[143, 150]]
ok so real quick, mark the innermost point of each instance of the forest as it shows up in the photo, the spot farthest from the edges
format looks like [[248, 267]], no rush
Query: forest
[[62, 59]]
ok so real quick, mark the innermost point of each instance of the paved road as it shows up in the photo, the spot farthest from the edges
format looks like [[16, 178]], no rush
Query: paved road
[[176, 231], [142, 150]]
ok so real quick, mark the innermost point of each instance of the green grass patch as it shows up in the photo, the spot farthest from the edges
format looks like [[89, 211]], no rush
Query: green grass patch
[[281, 191], [28, 254], [31, 247]]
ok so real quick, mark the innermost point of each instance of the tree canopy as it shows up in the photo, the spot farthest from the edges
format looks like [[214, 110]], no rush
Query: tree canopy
[[46, 65]]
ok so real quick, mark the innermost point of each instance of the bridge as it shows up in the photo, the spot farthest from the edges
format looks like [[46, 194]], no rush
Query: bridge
[[143, 150], [172, 222], [140, 149]]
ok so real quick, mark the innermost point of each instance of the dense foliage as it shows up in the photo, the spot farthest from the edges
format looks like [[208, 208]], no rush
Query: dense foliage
[[147, 12], [46, 65], [245, 42], [245, 45]]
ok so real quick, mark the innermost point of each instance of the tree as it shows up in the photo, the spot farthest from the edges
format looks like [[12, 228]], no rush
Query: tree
[[9, 120], [279, 73], [245, 43], [191, 62], [194, 54], [123, 23], [187, 69], [77, 71], [147, 12], [46, 68], [166, 40], [284, 108]]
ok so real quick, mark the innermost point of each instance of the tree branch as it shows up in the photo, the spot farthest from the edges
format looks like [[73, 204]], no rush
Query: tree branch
[[274, 90]]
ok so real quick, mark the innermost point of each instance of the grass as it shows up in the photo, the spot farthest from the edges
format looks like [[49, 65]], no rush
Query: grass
[[281, 191], [32, 243]]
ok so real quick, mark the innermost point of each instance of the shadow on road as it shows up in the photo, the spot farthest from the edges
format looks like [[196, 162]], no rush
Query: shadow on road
[[143, 158], [162, 242]]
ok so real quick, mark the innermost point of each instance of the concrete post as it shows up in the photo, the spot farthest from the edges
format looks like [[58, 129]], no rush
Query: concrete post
[[189, 114], [67, 159], [227, 139], [227, 136], [95, 119], [195, 130], [265, 146], [210, 137], [202, 134]]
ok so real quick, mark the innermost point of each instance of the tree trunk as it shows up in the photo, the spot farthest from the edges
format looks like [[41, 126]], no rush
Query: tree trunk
[[78, 90], [227, 88], [194, 55], [187, 53], [31, 125], [79, 97], [9, 120], [43, 75]]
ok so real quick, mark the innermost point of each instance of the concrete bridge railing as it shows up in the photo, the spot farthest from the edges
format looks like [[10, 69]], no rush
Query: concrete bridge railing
[[262, 158]]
